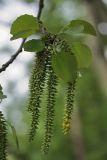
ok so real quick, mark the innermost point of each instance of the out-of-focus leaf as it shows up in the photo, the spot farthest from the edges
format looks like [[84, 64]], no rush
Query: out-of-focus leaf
[[14, 134], [79, 26]]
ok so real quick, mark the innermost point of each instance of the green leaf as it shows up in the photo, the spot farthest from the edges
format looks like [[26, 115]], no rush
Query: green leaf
[[79, 26], [14, 134], [24, 26], [71, 38], [83, 54], [34, 46], [65, 66], [22, 34]]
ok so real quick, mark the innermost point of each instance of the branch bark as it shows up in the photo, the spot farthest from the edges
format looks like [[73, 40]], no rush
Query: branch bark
[[14, 56]]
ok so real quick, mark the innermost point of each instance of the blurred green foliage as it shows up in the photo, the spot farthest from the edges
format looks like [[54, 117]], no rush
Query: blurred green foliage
[[92, 107]]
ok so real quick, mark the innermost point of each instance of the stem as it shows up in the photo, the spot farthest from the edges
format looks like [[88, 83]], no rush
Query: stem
[[41, 5], [14, 56]]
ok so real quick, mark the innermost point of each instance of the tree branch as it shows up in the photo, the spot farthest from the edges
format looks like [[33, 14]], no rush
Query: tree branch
[[14, 56]]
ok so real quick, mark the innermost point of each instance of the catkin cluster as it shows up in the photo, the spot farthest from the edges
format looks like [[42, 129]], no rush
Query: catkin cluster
[[44, 77]]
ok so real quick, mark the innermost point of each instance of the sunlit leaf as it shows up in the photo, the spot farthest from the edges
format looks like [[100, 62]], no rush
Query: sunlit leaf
[[24, 26], [83, 54], [34, 46], [65, 66]]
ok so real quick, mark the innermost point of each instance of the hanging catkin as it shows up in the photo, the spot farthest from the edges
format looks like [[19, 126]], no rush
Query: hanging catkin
[[36, 86], [69, 107], [3, 138], [51, 99]]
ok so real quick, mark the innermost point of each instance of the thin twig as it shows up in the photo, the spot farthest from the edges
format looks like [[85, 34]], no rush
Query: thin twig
[[14, 56], [41, 5]]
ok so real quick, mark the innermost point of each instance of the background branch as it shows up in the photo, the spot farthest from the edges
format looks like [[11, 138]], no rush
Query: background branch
[[14, 56]]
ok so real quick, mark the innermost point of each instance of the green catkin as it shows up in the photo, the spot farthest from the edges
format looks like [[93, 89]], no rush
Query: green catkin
[[69, 107], [36, 87], [51, 98], [35, 84], [70, 92], [3, 139]]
